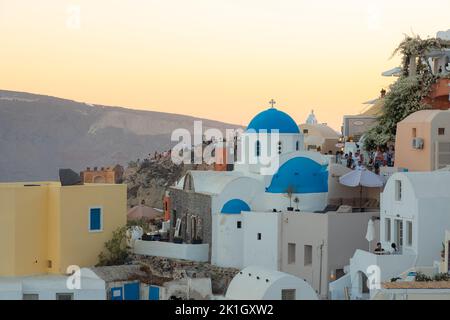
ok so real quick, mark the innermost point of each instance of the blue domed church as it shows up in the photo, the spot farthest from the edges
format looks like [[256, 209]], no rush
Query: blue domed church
[[272, 174]]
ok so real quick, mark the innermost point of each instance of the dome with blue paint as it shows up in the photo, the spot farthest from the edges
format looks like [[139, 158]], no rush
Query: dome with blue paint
[[235, 206], [273, 119], [300, 175]]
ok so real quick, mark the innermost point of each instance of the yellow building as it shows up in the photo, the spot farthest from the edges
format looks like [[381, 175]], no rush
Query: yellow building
[[46, 227]]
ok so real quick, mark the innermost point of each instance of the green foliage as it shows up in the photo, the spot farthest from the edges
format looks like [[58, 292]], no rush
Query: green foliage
[[414, 46], [405, 96], [116, 250], [441, 277], [421, 277]]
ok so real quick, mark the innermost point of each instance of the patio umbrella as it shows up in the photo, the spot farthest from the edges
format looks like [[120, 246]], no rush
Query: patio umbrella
[[370, 232], [361, 178], [141, 211]]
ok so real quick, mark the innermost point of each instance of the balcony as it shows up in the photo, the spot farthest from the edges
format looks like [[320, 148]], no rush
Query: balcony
[[377, 269], [185, 251], [438, 98]]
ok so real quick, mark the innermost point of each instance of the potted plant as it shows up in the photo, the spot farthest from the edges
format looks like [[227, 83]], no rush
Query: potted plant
[[177, 240], [289, 193], [297, 201]]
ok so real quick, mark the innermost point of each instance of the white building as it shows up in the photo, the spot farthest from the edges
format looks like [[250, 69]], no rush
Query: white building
[[257, 283], [53, 287], [415, 213], [313, 246], [273, 171]]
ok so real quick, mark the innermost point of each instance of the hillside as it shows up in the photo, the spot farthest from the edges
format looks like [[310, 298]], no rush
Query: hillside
[[40, 134]]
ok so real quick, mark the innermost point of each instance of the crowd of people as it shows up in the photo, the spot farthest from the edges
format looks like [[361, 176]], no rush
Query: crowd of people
[[382, 157]]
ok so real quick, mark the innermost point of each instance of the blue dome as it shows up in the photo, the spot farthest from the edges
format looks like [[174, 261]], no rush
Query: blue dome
[[235, 206], [273, 119], [301, 174]]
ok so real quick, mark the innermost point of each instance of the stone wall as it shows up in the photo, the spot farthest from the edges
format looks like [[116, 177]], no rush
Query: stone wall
[[182, 269], [184, 205]]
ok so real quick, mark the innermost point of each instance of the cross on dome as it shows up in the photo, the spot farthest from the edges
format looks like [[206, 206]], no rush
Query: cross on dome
[[272, 103]]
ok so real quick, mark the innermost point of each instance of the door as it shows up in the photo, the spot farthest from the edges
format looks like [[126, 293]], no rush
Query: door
[[153, 293], [116, 293], [131, 291], [399, 234]]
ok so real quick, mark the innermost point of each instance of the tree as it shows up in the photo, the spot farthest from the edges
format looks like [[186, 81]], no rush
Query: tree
[[116, 251], [406, 95], [297, 202], [290, 191]]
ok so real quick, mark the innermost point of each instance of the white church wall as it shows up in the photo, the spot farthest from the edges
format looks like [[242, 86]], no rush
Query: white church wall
[[227, 246], [307, 202], [244, 188], [261, 240], [285, 144]]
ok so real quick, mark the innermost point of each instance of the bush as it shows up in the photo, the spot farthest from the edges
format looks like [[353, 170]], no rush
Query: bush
[[441, 277], [405, 96], [116, 250], [421, 277]]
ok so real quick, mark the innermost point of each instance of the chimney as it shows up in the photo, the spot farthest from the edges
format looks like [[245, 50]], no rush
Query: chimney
[[220, 163]]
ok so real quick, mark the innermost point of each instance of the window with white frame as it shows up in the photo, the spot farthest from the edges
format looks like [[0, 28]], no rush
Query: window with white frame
[[398, 190], [399, 233], [387, 229], [409, 233], [95, 219]]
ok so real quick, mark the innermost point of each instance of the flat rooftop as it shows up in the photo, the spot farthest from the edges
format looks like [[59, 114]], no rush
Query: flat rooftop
[[417, 285]]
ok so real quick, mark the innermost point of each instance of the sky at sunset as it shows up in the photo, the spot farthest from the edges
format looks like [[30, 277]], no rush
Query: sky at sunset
[[218, 59]]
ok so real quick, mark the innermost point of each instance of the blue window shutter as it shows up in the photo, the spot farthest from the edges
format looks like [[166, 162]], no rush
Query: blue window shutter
[[95, 222]]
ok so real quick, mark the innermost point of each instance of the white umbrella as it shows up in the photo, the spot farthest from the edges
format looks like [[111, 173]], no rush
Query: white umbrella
[[361, 178], [370, 232]]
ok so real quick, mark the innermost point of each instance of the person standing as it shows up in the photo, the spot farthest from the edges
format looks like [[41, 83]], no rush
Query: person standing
[[350, 160]]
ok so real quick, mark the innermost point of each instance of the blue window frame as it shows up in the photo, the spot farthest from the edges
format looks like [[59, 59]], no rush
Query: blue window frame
[[95, 219]]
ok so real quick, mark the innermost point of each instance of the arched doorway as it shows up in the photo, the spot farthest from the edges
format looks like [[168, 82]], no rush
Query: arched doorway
[[99, 179], [363, 284]]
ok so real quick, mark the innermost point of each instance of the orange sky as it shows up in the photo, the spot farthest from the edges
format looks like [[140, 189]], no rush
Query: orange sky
[[220, 59]]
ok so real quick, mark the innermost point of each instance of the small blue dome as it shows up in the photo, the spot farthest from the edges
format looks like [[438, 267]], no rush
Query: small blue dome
[[235, 206], [273, 119]]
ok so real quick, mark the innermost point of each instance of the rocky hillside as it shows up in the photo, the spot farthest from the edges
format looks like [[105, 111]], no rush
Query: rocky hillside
[[40, 134], [149, 179]]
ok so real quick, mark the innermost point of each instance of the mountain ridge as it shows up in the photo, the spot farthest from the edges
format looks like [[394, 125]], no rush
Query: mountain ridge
[[40, 134]]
